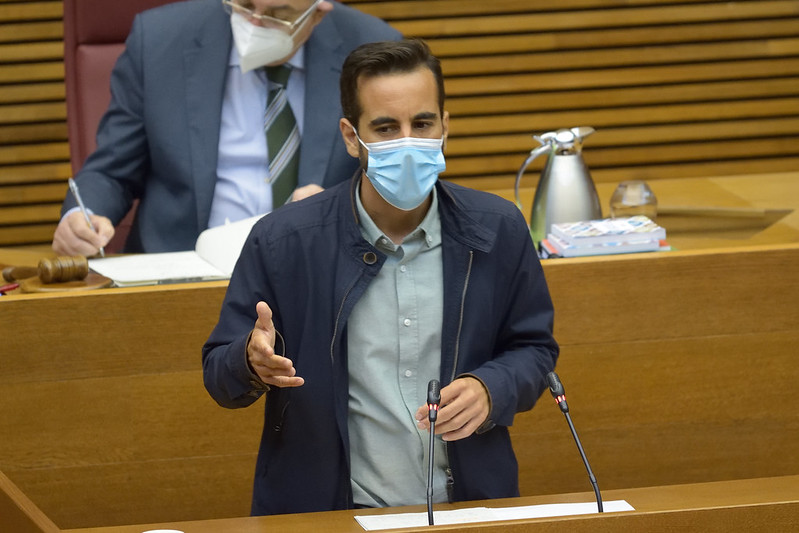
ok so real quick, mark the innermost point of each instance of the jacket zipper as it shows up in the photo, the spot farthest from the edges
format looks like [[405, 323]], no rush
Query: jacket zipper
[[460, 317], [450, 476], [338, 318]]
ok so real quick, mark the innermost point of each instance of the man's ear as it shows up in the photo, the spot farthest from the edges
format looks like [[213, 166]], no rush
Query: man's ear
[[350, 139]]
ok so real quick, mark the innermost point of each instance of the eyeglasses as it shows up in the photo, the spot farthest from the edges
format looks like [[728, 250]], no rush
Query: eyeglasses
[[231, 6]]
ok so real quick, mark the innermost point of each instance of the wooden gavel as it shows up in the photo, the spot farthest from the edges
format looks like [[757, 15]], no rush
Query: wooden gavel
[[56, 270]]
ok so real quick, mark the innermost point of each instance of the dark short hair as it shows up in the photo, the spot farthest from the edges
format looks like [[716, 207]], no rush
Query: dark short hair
[[381, 58]]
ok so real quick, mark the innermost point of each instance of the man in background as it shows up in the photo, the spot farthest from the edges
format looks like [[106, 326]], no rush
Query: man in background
[[363, 293], [186, 132]]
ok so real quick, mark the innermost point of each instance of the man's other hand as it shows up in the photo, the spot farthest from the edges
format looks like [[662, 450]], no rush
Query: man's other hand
[[464, 407], [273, 369]]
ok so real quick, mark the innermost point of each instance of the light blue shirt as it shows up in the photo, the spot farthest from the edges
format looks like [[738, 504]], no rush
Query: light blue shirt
[[393, 351], [242, 187]]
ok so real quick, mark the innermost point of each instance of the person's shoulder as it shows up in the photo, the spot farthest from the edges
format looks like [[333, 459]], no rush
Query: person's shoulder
[[352, 20], [311, 213], [480, 201], [186, 13]]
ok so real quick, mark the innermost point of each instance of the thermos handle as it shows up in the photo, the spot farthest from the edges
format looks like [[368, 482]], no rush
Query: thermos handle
[[546, 146]]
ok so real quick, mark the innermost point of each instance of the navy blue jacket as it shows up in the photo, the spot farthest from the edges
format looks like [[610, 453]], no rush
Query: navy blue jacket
[[309, 262]]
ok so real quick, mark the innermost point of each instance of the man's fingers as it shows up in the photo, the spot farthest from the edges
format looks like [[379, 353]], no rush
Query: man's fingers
[[104, 228], [464, 407], [273, 369], [301, 193], [264, 321], [283, 381], [73, 236]]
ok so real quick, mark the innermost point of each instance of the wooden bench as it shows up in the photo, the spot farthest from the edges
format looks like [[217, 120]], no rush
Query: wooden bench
[[674, 88]]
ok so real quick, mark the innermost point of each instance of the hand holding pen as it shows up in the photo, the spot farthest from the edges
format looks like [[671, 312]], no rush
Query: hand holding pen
[[80, 233]]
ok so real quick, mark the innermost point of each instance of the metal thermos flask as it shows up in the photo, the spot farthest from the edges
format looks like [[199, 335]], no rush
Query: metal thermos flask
[[565, 191]]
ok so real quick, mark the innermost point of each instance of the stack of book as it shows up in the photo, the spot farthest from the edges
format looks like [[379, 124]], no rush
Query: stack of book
[[606, 236]]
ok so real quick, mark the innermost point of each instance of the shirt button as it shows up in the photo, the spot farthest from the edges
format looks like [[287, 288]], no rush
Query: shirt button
[[407, 321], [408, 373], [403, 268]]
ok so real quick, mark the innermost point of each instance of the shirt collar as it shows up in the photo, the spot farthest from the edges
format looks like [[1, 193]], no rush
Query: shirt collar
[[429, 228]]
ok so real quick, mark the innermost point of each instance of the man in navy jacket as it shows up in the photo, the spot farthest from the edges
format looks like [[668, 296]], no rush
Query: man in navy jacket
[[361, 294]]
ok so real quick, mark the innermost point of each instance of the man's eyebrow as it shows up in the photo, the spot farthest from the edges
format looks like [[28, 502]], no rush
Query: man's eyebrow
[[426, 115], [380, 121]]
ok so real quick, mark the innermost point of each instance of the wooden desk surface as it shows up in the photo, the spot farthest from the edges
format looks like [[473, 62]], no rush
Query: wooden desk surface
[[763, 504], [765, 191]]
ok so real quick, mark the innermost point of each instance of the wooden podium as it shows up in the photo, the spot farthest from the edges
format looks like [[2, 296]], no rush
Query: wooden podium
[[753, 505], [680, 368]]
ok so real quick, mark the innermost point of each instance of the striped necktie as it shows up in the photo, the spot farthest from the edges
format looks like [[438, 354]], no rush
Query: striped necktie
[[282, 136]]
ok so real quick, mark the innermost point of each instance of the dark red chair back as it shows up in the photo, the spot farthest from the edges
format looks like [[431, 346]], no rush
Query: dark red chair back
[[94, 37]]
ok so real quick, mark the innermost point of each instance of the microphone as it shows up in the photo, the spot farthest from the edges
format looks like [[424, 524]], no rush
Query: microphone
[[433, 399], [558, 392]]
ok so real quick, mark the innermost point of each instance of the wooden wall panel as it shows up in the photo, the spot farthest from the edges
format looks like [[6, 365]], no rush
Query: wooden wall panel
[[34, 152], [677, 88]]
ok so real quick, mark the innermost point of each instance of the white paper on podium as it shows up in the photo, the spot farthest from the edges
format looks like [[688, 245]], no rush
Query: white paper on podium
[[487, 514], [214, 256]]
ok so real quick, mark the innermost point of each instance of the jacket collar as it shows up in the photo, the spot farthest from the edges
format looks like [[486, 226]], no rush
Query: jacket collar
[[456, 221]]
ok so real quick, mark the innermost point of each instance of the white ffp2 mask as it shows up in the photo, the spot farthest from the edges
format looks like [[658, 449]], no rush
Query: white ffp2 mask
[[259, 46]]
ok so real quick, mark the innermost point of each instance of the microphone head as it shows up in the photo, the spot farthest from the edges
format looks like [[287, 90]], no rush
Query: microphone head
[[555, 386], [433, 392]]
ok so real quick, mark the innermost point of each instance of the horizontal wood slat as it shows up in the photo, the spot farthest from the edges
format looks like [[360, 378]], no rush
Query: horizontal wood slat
[[33, 92], [36, 173], [33, 194], [32, 72], [31, 31], [34, 153], [31, 51], [674, 88], [33, 133], [16, 11], [31, 214], [30, 233]]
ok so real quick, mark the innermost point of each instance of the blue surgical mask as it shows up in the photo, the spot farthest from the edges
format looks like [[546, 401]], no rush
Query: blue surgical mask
[[404, 171]]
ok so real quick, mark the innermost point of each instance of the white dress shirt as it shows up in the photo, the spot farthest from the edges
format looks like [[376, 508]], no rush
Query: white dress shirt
[[242, 188]]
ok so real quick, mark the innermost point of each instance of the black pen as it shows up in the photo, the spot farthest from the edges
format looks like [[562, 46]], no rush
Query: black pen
[[74, 188]]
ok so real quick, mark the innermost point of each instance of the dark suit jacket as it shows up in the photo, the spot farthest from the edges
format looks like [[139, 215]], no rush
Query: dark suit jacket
[[158, 140]]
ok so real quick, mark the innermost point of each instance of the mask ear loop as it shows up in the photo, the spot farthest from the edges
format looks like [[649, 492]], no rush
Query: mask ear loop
[[355, 131]]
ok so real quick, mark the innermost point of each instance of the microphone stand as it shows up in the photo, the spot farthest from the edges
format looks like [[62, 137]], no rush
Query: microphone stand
[[559, 393], [433, 399], [430, 473], [591, 477]]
